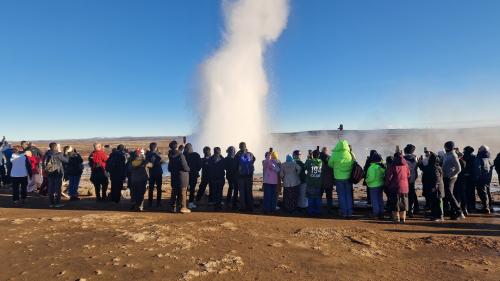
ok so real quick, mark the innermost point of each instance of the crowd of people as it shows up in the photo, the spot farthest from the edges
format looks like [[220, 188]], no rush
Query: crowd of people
[[450, 178]]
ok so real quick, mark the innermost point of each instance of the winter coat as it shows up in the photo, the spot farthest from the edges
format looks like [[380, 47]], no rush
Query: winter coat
[[138, 171], [341, 161], [216, 167], [302, 174], [411, 161], [290, 173], [116, 165], [270, 170], [229, 166], [432, 180], [97, 160], [237, 163], [470, 160], [451, 165], [204, 167], [497, 164], [313, 172], [155, 158], [483, 168], [326, 171], [60, 160], [35, 162], [194, 161], [396, 178], [21, 166], [75, 164], [178, 168], [375, 175]]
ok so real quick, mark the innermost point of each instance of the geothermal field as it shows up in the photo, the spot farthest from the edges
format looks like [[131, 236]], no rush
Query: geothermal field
[[86, 240]]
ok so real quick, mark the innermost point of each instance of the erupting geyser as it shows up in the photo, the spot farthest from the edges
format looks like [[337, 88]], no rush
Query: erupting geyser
[[234, 86]]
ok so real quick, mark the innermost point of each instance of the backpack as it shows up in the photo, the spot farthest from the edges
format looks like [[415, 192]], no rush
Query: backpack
[[357, 173], [51, 165], [246, 166]]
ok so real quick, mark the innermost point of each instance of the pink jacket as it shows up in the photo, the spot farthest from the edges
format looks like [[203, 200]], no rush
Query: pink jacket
[[270, 169]]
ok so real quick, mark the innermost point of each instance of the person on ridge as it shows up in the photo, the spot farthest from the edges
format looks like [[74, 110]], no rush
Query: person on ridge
[[98, 174], [397, 185], [244, 167], [341, 162], [194, 162], [179, 173]]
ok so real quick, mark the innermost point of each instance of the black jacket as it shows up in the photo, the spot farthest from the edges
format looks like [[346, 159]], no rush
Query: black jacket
[[155, 158], [483, 168], [205, 162], [116, 165], [216, 168], [432, 180], [194, 161], [178, 168], [497, 164], [229, 166], [75, 164], [326, 171]]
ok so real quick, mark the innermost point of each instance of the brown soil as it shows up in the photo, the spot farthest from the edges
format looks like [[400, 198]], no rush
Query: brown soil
[[103, 241]]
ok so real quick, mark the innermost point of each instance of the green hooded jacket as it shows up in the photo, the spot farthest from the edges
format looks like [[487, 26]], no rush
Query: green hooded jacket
[[313, 171], [341, 161], [375, 176]]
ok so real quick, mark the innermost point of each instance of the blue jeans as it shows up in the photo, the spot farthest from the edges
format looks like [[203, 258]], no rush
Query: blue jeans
[[55, 184], [74, 182], [269, 197], [313, 206], [344, 191], [377, 200]]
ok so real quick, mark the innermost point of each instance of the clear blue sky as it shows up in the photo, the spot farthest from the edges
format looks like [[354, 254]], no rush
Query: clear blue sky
[[85, 68]]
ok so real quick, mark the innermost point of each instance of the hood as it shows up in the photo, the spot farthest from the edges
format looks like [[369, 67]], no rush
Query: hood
[[483, 154], [341, 146], [399, 160], [410, 158], [289, 158], [317, 161], [468, 150]]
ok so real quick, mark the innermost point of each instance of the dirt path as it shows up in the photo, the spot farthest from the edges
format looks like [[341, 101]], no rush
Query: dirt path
[[95, 242]]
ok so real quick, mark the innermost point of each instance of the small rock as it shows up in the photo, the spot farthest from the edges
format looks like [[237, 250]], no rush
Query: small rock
[[61, 273], [98, 272]]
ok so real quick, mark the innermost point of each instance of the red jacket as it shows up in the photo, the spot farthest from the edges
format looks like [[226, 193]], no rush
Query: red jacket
[[98, 159], [396, 177], [34, 161]]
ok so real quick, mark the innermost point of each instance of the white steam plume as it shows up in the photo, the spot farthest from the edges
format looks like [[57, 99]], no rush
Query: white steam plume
[[233, 85]]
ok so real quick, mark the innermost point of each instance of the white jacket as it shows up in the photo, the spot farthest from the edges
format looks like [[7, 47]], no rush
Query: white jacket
[[19, 168]]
